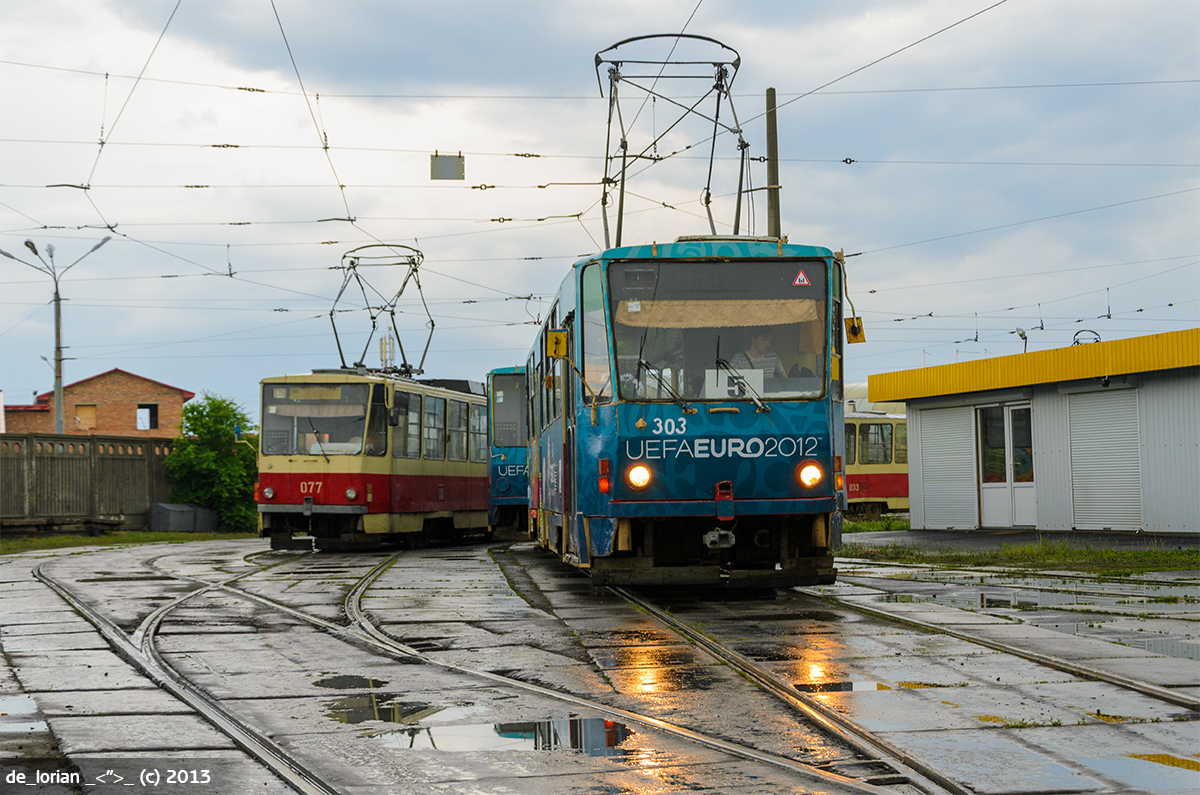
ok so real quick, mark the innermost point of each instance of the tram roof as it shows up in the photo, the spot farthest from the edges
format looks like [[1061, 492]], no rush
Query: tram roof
[[1146, 354], [709, 246]]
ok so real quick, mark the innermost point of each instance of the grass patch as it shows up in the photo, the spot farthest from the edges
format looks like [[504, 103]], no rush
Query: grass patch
[[886, 523], [1041, 556], [11, 546]]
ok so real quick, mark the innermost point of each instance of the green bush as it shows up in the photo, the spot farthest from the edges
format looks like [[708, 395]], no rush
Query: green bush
[[211, 468]]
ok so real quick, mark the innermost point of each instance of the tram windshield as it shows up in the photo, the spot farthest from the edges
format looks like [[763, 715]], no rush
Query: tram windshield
[[508, 410], [314, 419], [739, 330]]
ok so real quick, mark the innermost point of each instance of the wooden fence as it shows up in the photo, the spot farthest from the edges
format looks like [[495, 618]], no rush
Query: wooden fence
[[60, 481]]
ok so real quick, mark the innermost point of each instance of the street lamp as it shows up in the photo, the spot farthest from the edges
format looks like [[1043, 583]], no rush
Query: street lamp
[[50, 269]]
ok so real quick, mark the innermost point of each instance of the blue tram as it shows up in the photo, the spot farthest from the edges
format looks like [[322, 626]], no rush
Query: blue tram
[[508, 472], [685, 414]]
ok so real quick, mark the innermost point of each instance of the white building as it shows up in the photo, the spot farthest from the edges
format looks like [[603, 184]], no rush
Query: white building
[[1103, 436]]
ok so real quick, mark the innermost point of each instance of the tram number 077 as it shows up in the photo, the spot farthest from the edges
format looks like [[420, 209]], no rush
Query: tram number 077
[[310, 487]]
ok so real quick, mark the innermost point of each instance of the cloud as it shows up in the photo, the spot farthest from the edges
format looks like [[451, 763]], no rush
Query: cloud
[[389, 83]]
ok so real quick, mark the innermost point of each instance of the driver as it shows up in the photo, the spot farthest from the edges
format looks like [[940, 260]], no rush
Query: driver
[[759, 355]]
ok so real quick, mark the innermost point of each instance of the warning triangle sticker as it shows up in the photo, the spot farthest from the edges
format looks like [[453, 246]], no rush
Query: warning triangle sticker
[[801, 280]]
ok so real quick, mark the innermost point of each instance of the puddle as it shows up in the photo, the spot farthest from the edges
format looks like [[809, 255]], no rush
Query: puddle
[[662, 680], [378, 706], [840, 687], [17, 705], [771, 652], [592, 736], [349, 682], [18, 715], [902, 598]]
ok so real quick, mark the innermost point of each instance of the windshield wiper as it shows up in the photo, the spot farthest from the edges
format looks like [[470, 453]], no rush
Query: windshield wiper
[[665, 384], [723, 364], [317, 435]]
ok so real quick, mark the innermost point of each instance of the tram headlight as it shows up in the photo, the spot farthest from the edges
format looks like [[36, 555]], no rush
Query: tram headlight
[[352, 493], [269, 493], [638, 477], [809, 473]]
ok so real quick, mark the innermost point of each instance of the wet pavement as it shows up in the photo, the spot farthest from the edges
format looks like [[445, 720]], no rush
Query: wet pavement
[[987, 540], [999, 723]]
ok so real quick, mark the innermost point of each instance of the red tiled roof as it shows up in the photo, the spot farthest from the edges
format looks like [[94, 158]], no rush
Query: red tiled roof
[[45, 396]]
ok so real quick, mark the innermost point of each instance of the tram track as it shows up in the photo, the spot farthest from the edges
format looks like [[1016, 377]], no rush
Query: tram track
[[140, 649], [831, 721], [877, 764], [141, 652], [1010, 585], [1072, 667]]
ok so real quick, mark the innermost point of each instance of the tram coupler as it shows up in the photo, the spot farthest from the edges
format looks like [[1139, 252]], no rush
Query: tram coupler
[[719, 538]]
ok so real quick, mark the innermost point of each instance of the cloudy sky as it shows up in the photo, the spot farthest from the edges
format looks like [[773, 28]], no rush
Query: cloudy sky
[[1036, 166]]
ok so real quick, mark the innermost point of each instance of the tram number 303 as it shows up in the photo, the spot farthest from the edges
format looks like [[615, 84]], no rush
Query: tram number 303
[[310, 487], [670, 427]]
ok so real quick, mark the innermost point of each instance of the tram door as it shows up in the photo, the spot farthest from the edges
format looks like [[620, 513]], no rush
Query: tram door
[[569, 392], [1007, 492]]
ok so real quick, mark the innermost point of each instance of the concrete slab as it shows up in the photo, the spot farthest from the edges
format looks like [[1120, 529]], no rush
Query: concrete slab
[[1056, 644], [898, 710], [995, 762], [931, 613], [128, 701], [1099, 703], [401, 615], [49, 644], [229, 772], [609, 658], [46, 614], [1162, 671], [37, 678], [76, 624], [81, 735], [1132, 761], [90, 658]]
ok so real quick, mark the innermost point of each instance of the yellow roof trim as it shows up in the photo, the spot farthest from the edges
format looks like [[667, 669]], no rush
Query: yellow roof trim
[[1094, 360]]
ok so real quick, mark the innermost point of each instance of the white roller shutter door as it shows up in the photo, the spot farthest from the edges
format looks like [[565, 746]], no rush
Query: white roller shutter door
[[1106, 478], [948, 473]]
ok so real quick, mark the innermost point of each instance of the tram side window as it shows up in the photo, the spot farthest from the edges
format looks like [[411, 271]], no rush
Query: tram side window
[[901, 443], [434, 426], [596, 363], [480, 452], [456, 431], [543, 416], [377, 424], [406, 439], [851, 439], [875, 443]]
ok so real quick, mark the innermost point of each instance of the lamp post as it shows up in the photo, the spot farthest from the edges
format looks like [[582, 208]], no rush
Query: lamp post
[[50, 269]]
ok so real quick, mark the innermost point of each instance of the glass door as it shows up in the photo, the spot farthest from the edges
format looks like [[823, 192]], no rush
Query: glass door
[[1007, 493]]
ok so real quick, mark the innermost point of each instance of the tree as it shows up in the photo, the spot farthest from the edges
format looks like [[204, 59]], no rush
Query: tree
[[210, 467]]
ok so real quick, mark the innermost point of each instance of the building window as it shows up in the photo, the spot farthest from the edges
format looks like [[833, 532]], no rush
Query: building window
[[85, 417], [147, 416]]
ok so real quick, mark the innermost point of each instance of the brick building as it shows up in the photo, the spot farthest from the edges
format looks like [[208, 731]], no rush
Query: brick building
[[115, 403]]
